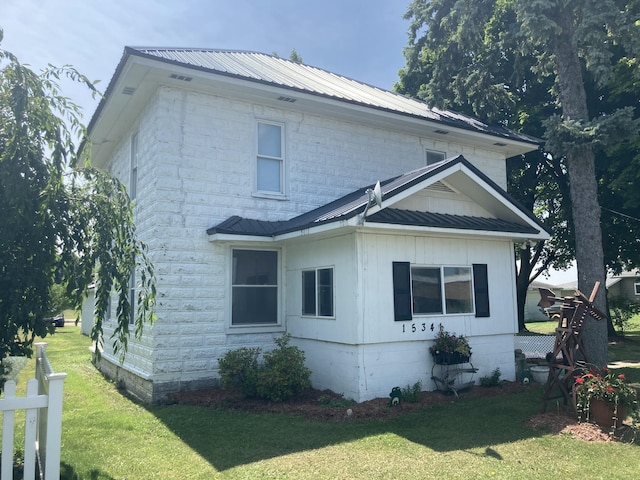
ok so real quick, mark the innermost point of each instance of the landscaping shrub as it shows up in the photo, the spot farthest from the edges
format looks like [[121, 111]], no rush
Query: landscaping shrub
[[283, 374], [492, 380], [280, 376], [412, 394], [239, 369], [622, 311]]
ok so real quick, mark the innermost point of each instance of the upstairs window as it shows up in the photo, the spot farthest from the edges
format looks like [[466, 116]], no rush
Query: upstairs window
[[317, 292], [434, 156], [270, 165]]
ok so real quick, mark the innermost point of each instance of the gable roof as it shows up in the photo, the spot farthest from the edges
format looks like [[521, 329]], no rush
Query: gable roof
[[263, 68], [510, 219], [298, 84]]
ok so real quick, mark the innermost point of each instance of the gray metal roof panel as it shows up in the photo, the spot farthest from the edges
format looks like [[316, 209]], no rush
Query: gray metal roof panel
[[395, 216], [260, 67]]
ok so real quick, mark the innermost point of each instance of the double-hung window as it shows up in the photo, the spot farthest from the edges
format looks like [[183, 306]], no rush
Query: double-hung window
[[439, 290], [636, 288], [254, 287], [317, 292], [270, 162]]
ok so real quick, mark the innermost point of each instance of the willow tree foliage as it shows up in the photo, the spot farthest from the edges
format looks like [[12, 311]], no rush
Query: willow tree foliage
[[61, 222], [516, 60]]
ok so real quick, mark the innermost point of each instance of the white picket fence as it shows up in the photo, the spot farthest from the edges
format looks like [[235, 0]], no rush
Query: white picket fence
[[43, 421]]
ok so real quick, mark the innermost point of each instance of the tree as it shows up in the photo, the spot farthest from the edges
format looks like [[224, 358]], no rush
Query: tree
[[489, 54], [61, 222]]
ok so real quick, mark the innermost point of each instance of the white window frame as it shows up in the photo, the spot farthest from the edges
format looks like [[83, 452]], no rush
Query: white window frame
[[636, 288], [317, 307], [133, 174], [443, 290], [256, 327], [280, 159], [434, 152]]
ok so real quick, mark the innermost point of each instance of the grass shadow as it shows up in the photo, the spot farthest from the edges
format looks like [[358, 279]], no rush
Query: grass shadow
[[227, 439]]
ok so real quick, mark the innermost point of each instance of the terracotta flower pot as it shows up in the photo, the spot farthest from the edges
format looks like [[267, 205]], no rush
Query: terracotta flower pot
[[601, 413]]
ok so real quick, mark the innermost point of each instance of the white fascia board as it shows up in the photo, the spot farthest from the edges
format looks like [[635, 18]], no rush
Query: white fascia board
[[501, 200], [412, 229]]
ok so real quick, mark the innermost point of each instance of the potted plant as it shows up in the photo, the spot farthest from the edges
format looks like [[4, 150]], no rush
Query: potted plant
[[604, 397], [449, 348]]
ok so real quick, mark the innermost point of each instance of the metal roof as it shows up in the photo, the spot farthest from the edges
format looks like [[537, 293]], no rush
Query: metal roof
[[353, 204], [268, 69]]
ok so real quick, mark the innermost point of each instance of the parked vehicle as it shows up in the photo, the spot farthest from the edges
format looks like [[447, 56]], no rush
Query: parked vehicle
[[57, 321], [553, 312]]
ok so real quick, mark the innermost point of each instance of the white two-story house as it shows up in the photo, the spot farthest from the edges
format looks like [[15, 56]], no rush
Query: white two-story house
[[254, 180]]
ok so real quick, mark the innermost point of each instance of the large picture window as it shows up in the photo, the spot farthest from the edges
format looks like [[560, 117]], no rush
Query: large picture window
[[270, 166], [254, 287], [317, 292], [439, 290]]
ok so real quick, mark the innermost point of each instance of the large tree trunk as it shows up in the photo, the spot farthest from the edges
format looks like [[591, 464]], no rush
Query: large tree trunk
[[583, 188]]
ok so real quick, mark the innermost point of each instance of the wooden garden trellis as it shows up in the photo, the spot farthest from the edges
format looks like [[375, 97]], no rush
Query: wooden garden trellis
[[568, 353]]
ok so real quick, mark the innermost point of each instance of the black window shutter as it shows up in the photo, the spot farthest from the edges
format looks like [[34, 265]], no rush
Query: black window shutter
[[402, 291], [481, 289]]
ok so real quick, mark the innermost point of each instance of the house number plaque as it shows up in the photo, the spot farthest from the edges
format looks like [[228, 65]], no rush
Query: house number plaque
[[413, 328]]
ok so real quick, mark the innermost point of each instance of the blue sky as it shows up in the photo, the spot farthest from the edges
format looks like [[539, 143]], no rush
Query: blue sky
[[361, 39]]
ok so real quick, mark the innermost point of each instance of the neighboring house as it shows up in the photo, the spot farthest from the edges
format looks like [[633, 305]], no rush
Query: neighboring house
[[626, 285], [535, 313], [251, 175]]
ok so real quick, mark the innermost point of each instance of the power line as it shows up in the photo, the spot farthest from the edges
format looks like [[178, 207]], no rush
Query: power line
[[622, 214]]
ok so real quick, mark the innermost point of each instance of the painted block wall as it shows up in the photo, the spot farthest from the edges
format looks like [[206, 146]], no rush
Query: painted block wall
[[196, 168]]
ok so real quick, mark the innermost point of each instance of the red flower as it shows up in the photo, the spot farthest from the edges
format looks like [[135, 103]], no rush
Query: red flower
[[611, 389], [580, 380], [605, 370], [622, 377]]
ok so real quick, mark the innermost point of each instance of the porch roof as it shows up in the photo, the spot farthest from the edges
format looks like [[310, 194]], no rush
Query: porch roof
[[353, 204]]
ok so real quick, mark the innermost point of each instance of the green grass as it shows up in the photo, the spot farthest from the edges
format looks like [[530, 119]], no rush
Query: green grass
[[108, 436]]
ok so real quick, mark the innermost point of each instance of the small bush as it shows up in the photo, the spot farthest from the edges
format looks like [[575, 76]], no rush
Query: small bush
[[239, 369], [622, 311], [492, 380], [412, 394], [331, 401], [281, 376]]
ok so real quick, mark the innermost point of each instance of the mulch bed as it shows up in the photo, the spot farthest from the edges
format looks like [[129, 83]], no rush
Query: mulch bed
[[328, 406]]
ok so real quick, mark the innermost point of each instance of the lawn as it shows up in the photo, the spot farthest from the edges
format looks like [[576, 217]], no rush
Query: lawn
[[106, 435]]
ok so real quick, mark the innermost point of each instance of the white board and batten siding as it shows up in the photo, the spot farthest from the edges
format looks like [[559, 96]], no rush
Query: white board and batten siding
[[364, 352]]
